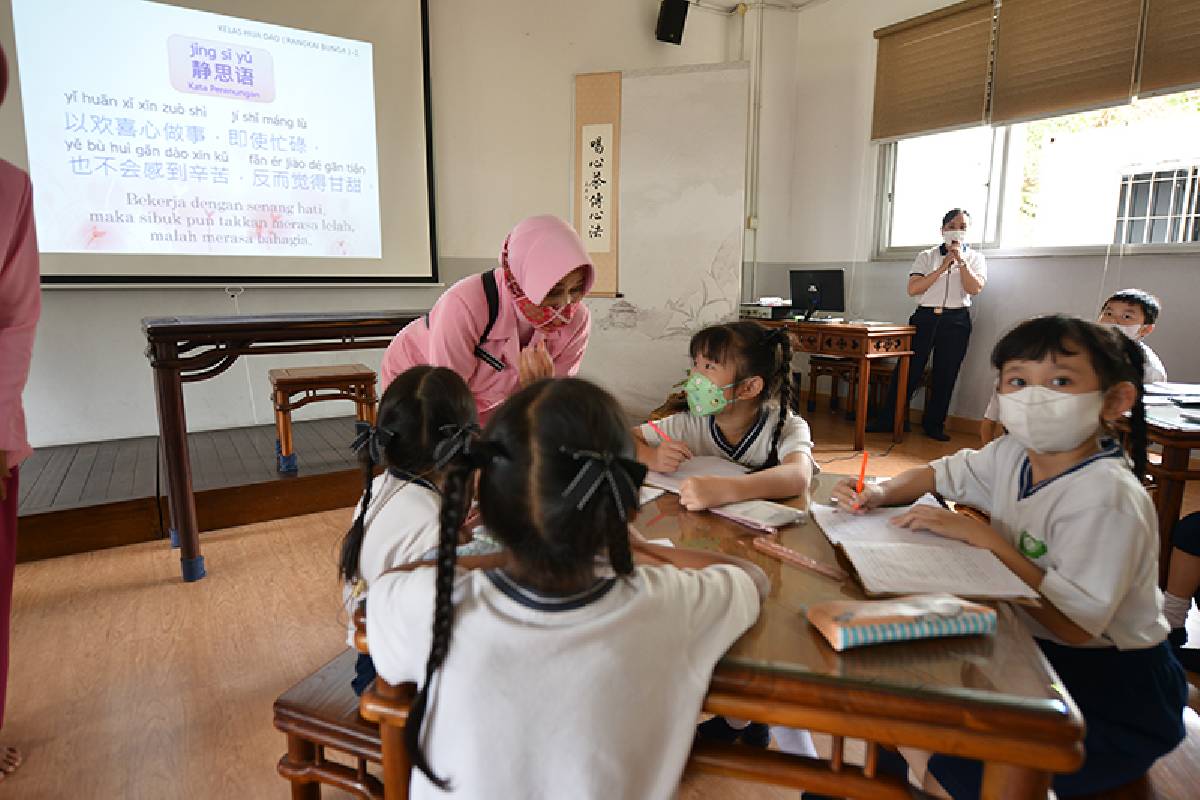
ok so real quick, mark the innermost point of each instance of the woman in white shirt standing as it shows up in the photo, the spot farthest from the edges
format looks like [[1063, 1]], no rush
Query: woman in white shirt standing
[[945, 278]]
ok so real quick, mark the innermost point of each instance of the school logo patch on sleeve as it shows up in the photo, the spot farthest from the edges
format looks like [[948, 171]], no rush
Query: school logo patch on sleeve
[[1030, 546]]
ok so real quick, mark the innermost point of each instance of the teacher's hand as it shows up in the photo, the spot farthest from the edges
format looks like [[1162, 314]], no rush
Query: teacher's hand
[[534, 364]]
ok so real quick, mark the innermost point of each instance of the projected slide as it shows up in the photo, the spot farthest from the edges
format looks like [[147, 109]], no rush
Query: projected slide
[[156, 129]]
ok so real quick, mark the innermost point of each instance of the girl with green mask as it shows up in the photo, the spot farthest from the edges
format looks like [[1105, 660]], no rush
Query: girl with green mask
[[739, 392]]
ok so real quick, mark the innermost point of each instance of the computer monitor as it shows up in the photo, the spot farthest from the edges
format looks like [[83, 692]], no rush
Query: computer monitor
[[818, 290]]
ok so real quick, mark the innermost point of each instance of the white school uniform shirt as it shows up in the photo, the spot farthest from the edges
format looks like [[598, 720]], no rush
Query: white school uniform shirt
[[1154, 370], [401, 525], [1092, 529], [947, 291], [590, 696], [704, 438]]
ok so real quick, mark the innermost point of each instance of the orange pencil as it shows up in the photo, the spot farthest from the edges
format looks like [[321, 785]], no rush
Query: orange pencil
[[658, 430], [862, 474]]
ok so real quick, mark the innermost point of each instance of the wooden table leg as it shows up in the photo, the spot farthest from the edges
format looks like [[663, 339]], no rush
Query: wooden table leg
[[860, 404], [397, 768], [172, 426], [1008, 782], [1169, 503], [901, 398], [302, 753]]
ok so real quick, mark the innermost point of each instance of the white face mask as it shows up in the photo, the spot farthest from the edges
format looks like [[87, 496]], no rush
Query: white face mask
[[950, 237], [1046, 421], [1132, 331]]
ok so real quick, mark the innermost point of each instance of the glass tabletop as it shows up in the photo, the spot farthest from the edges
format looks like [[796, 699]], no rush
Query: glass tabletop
[[1006, 667]]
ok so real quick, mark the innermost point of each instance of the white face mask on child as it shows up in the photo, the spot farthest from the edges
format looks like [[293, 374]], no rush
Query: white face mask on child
[[1046, 421], [1129, 330], [950, 237]]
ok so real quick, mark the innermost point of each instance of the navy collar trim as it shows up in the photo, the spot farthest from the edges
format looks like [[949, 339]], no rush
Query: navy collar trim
[[1108, 449], [735, 452], [549, 602], [408, 477], [942, 248]]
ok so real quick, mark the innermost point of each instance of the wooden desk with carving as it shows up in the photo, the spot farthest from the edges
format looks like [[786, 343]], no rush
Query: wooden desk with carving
[[991, 698], [865, 342], [189, 349]]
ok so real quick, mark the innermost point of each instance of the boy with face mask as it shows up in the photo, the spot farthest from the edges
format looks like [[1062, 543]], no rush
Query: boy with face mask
[[1134, 312]]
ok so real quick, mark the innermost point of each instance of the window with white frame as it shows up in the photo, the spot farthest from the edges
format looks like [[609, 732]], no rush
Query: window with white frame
[[1126, 175]]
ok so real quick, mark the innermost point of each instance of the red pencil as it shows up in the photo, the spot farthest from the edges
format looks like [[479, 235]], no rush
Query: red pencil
[[658, 430]]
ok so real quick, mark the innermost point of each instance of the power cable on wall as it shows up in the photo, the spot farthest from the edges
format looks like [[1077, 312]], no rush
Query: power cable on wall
[[234, 292]]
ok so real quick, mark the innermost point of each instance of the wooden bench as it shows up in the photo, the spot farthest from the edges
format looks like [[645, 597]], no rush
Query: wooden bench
[[321, 712], [353, 382]]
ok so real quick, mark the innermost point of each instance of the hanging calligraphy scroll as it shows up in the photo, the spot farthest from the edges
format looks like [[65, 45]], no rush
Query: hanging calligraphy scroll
[[597, 149]]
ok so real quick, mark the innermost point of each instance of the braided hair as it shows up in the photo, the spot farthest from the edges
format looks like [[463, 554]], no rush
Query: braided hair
[[756, 351], [412, 412], [529, 461], [1113, 355]]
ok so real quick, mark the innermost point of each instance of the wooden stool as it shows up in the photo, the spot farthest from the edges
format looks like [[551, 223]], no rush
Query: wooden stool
[[322, 711], [838, 369], [354, 382], [881, 384]]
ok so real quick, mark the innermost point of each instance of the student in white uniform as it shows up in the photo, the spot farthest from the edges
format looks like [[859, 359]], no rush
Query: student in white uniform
[[1135, 313], [1131, 311], [426, 417], [561, 670], [1070, 517], [945, 278], [739, 395]]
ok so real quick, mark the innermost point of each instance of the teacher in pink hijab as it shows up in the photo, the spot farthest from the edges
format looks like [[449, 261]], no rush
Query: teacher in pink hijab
[[20, 304], [512, 325]]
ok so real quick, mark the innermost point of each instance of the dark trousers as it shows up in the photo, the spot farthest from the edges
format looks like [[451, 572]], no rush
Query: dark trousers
[[944, 336]]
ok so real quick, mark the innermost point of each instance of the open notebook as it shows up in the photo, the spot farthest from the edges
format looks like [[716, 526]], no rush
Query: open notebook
[[891, 560], [761, 515]]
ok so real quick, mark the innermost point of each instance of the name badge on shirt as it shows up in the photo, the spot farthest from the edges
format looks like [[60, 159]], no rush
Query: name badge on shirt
[[1030, 546]]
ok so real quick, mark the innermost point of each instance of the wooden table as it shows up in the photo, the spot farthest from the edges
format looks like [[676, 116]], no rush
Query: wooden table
[[991, 698], [1167, 428], [189, 349], [865, 342]]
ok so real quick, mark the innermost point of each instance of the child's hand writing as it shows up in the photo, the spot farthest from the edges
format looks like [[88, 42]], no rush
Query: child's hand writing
[[535, 363], [700, 493], [846, 495], [947, 524], [667, 457]]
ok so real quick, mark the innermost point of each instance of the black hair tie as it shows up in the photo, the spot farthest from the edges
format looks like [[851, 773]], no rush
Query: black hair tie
[[375, 440], [622, 475], [456, 439]]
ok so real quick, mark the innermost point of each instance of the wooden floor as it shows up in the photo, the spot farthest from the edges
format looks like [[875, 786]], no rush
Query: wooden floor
[[127, 683], [80, 475], [79, 498]]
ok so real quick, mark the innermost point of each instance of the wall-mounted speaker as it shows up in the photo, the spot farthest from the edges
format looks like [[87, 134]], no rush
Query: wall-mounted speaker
[[671, 16]]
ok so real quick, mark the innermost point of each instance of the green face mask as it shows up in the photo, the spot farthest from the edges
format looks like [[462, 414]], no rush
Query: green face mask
[[704, 396]]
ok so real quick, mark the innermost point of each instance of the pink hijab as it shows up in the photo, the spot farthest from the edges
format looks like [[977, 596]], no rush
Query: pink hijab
[[541, 251]]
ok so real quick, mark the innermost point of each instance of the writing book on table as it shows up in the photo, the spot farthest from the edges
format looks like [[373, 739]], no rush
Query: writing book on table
[[891, 560], [762, 515]]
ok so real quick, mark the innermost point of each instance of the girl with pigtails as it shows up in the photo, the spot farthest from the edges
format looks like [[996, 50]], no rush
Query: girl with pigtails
[[739, 392], [426, 418], [556, 668]]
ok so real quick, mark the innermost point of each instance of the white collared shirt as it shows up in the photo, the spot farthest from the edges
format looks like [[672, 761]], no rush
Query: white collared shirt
[[1092, 529], [594, 695], [947, 291], [703, 436]]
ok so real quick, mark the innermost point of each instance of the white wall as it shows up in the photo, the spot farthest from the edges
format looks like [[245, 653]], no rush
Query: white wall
[[503, 76], [829, 199]]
